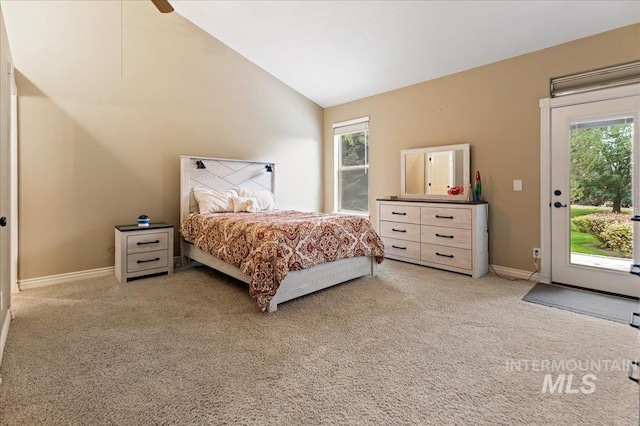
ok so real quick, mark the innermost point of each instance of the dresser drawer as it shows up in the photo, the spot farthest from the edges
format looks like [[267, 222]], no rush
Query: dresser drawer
[[148, 260], [400, 231], [395, 213], [440, 216], [408, 249], [450, 256], [138, 243], [450, 237]]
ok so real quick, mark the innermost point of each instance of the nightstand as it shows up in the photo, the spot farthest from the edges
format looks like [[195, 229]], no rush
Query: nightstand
[[143, 250]]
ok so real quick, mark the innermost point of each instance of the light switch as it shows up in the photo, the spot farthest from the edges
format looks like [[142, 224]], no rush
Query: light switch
[[517, 185]]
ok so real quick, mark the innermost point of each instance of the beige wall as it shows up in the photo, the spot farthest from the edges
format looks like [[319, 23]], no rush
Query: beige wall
[[495, 109], [99, 147], [5, 108]]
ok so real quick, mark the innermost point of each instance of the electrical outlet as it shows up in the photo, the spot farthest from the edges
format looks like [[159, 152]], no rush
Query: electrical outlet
[[536, 253]]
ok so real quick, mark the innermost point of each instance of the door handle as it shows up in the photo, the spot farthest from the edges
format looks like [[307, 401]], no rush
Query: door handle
[[636, 218], [558, 204], [3, 221], [635, 269]]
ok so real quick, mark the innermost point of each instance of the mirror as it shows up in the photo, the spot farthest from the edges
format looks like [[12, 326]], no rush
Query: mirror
[[430, 173]]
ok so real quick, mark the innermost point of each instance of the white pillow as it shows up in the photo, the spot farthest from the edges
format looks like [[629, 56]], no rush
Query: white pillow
[[214, 201], [263, 197], [241, 204]]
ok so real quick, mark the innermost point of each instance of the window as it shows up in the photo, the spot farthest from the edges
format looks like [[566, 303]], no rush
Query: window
[[351, 139]]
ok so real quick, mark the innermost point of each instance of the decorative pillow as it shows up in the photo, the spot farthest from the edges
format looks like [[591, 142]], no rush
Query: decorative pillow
[[241, 204], [264, 198], [214, 201]]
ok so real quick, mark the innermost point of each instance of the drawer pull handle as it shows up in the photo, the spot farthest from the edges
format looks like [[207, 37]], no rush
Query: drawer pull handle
[[141, 243], [450, 256], [632, 323], [444, 236], [443, 217], [631, 364], [398, 230], [400, 213], [150, 260], [398, 247]]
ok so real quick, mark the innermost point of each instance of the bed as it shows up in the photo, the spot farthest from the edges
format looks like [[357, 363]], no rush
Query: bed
[[270, 250]]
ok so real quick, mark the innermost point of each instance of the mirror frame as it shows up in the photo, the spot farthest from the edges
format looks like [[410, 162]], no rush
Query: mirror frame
[[466, 165]]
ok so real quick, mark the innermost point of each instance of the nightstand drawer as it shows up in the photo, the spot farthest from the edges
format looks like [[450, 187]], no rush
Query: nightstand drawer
[[148, 260], [147, 242], [401, 231]]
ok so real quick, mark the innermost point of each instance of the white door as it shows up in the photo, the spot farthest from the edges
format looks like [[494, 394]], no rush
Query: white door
[[594, 172]]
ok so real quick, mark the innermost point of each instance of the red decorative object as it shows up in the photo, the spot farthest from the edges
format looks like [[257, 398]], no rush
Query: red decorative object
[[455, 190]]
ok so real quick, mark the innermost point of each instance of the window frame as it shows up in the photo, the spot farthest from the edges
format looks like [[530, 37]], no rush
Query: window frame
[[339, 168]]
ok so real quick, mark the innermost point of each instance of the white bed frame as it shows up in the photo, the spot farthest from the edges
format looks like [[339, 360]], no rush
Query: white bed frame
[[220, 174]]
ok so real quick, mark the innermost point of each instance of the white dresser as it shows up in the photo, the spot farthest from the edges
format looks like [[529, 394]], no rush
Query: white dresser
[[445, 235]]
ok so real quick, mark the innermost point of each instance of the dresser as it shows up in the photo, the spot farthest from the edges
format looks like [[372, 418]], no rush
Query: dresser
[[444, 235], [143, 250]]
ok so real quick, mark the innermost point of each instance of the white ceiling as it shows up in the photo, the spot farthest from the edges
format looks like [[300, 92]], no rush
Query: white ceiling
[[339, 51]]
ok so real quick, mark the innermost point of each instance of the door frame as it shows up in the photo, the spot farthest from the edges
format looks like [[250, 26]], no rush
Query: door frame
[[546, 105], [13, 182]]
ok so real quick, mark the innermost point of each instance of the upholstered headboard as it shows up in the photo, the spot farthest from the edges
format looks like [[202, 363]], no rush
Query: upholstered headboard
[[219, 174]]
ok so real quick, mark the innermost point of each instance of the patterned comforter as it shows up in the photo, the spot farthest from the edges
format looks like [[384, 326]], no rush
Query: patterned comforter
[[267, 245]]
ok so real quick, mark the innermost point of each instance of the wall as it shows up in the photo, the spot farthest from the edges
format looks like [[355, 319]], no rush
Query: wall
[[5, 120], [495, 109], [106, 107]]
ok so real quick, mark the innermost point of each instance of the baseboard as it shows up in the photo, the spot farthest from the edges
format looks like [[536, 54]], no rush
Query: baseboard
[[65, 278], [4, 334], [515, 273]]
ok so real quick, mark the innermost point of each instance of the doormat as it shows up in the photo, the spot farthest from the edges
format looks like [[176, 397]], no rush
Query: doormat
[[612, 308]]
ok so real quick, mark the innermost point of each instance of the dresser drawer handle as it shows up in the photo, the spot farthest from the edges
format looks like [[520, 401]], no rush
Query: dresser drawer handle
[[398, 247], [450, 256], [443, 217], [444, 236], [632, 323], [631, 364], [398, 230], [399, 213], [150, 260], [141, 243]]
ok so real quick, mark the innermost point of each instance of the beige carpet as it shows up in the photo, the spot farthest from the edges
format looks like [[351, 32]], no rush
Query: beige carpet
[[410, 346]]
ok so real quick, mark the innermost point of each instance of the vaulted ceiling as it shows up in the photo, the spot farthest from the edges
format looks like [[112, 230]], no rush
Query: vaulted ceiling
[[338, 51]]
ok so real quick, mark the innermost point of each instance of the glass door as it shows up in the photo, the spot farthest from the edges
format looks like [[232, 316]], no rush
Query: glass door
[[595, 192]]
